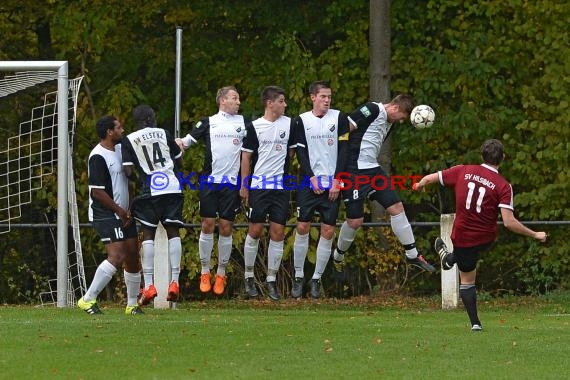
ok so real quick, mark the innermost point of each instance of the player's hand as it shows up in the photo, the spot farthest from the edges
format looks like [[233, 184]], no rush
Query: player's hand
[[419, 186], [541, 236], [244, 195], [315, 185], [179, 143], [334, 191], [125, 217]]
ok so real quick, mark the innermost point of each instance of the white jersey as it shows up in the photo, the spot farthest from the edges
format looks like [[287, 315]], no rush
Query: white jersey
[[153, 151], [365, 142], [270, 143], [320, 136], [223, 135], [105, 171]]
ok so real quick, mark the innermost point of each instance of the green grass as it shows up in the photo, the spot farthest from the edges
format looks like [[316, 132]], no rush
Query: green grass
[[397, 338]]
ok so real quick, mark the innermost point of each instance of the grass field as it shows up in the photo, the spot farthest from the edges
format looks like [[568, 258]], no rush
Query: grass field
[[368, 338]]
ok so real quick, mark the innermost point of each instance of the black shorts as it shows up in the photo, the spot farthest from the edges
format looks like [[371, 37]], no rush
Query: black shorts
[[467, 257], [309, 203], [164, 208], [112, 230], [373, 184], [219, 201], [269, 203]]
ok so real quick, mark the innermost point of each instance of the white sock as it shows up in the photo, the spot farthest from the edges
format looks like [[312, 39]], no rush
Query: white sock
[[249, 254], [300, 248], [103, 275], [345, 238], [404, 233], [175, 254], [148, 262], [323, 255], [224, 253], [205, 246], [133, 284], [274, 255]]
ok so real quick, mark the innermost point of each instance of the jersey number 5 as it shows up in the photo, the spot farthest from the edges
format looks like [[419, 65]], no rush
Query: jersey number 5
[[471, 186], [157, 157]]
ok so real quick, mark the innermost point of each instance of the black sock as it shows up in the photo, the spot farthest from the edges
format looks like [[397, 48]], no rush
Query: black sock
[[468, 295]]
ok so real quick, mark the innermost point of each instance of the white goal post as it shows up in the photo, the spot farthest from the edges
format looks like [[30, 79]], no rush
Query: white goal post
[[61, 67], [449, 278]]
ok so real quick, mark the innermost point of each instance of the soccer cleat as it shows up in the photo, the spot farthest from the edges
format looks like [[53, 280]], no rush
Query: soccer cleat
[[315, 288], [420, 262], [442, 251], [173, 292], [134, 310], [219, 285], [272, 291], [476, 328], [90, 307], [297, 288], [205, 284], [147, 295], [250, 288]]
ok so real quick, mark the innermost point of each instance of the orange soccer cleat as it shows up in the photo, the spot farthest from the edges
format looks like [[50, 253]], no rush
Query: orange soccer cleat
[[205, 284], [219, 285], [173, 292], [146, 295]]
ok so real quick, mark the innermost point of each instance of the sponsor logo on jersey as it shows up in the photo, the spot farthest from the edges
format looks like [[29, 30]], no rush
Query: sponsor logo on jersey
[[365, 111]]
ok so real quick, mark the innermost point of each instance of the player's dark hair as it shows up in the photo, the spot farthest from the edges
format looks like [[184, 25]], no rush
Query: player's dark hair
[[104, 124], [405, 102], [492, 152], [223, 92], [316, 86], [144, 117], [271, 93]]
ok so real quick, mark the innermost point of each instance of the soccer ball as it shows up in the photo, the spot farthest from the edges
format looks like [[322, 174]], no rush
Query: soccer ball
[[422, 116]]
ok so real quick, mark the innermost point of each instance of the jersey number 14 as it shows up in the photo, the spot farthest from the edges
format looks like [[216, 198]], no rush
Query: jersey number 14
[[157, 157]]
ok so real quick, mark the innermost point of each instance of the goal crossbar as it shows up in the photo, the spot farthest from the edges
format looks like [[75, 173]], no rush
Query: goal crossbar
[[61, 67]]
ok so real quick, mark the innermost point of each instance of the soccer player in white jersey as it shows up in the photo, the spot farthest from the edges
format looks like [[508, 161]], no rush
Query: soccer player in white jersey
[[223, 135], [321, 134], [269, 147], [156, 155], [109, 212], [370, 123]]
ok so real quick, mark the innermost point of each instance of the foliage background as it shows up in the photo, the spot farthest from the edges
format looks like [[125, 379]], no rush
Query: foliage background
[[490, 69]]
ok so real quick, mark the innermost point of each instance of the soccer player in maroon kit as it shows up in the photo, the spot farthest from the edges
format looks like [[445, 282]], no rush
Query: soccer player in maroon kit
[[480, 192]]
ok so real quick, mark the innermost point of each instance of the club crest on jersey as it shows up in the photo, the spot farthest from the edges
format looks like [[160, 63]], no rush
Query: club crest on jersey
[[332, 127], [365, 111], [238, 129], [281, 133]]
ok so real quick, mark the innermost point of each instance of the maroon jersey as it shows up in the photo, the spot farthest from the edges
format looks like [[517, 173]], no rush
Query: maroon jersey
[[479, 193]]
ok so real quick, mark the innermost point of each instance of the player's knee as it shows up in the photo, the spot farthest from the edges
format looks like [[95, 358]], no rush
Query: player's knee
[[303, 228], [355, 223]]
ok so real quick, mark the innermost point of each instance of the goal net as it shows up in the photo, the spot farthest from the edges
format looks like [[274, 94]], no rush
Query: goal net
[[38, 149]]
